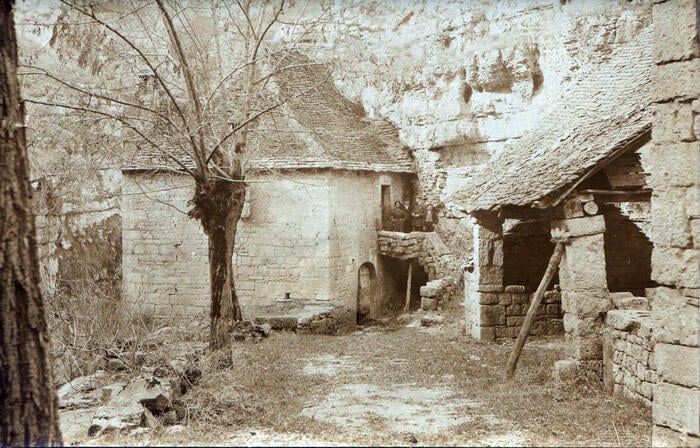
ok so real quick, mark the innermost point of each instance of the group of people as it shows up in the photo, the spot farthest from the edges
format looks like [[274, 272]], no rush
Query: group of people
[[404, 218]]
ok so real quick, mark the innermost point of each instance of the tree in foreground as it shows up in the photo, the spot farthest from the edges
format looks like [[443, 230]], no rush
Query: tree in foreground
[[205, 73], [28, 399]]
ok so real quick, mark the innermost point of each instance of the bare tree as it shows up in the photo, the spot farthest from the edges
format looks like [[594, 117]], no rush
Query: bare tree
[[207, 101], [28, 400]]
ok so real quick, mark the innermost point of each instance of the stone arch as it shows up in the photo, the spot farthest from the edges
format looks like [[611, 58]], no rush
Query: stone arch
[[367, 290]]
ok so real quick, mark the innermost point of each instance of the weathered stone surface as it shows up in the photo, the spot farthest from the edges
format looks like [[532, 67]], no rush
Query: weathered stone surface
[[665, 437], [81, 392], [669, 219], [678, 321], [677, 80], [492, 315], [430, 320], [589, 225], [428, 303], [675, 266], [678, 364], [586, 303], [675, 31], [564, 370], [515, 288], [489, 299], [673, 123], [677, 407], [626, 301], [623, 320], [583, 264]]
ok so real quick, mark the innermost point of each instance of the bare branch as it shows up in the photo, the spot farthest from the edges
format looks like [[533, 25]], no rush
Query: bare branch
[[125, 123]]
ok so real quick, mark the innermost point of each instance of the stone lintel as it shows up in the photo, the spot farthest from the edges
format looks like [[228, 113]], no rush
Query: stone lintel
[[590, 225]]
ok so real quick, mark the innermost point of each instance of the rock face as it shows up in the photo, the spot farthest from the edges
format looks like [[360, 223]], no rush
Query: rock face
[[462, 78]]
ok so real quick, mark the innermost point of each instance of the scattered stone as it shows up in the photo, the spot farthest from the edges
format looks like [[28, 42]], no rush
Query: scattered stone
[[430, 320], [81, 392], [174, 429], [110, 391], [565, 370], [139, 431]]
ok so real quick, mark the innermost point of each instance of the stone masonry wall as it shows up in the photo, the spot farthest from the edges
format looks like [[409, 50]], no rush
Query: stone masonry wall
[[629, 364], [164, 253], [355, 217], [675, 221], [501, 314], [303, 234]]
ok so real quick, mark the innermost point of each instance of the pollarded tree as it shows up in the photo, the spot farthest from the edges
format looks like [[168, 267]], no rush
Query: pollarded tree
[[208, 70], [28, 400]]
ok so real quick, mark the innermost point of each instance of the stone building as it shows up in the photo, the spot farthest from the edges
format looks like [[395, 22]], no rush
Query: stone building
[[581, 171], [319, 176]]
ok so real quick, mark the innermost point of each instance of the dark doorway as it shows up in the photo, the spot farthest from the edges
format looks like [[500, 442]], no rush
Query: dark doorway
[[395, 279], [386, 206], [366, 292]]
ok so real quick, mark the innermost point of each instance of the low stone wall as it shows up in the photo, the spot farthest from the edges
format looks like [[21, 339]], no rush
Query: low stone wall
[[502, 313], [629, 365]]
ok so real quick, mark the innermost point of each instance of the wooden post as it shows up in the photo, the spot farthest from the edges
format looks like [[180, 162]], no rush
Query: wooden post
[[408, 286], [531, 312]]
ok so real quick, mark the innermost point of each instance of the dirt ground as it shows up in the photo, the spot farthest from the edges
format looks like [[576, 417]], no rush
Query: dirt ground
[[393, 385]]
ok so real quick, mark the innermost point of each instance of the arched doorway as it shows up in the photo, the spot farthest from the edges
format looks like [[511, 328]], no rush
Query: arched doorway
[[366, 290]]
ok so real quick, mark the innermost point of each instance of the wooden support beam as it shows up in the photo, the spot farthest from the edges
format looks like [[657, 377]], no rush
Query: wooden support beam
[[532, 311], [604, 196], [408, 286]]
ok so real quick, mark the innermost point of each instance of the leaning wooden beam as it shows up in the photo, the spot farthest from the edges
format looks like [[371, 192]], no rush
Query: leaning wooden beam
[[408, 286], [532, 311]]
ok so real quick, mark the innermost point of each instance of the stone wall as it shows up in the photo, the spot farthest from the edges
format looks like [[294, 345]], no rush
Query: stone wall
[[675, 222], [79, 232], [629, 364], [164, 253], [501, 314], [302, 238]]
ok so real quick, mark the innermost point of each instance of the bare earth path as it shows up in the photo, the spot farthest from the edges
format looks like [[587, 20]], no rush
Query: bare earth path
[[398, 386]]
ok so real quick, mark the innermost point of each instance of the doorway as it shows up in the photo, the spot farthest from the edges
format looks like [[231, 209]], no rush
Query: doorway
[[366, 291]]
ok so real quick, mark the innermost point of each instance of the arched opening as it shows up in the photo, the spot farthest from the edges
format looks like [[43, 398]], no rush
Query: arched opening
[[366, 292]]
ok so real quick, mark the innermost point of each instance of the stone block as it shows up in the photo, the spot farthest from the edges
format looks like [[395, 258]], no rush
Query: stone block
[[489, 298], [516, 310], [678, 364], [679, 80], [507, 332], [490, 288], [670, 223], [490, 275], [675, 266], [505, 298], [586, 304], [515, 321], [623, 320], [675, 31], [564, 370], [583, 264], [585, 348], [515, 288], [427, 303], [666, 437], [673, 122], [677, 321], [521, 299], [492, 315], [590, 225], [677, 407], [629, 302]]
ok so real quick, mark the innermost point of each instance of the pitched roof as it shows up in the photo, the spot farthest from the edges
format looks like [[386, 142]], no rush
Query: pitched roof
[[316, 128], [604, 111]]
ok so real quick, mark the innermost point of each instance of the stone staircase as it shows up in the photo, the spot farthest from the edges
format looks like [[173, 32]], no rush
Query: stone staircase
[[428, 249]]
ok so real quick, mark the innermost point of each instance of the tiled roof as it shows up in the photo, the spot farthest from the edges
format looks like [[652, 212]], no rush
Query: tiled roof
[[603, 111], [316, 128]]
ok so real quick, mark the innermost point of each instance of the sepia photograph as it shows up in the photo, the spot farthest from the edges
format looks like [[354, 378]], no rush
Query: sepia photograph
[[350, 223]]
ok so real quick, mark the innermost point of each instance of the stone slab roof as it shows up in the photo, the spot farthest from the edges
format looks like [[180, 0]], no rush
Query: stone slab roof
[[316, 128], [603, 111]]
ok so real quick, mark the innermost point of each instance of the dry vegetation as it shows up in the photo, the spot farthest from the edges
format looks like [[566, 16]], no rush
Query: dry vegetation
[[255, 394]]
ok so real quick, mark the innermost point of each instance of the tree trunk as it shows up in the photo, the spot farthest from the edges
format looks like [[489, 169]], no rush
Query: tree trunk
[[28, 400], [218, 206]]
